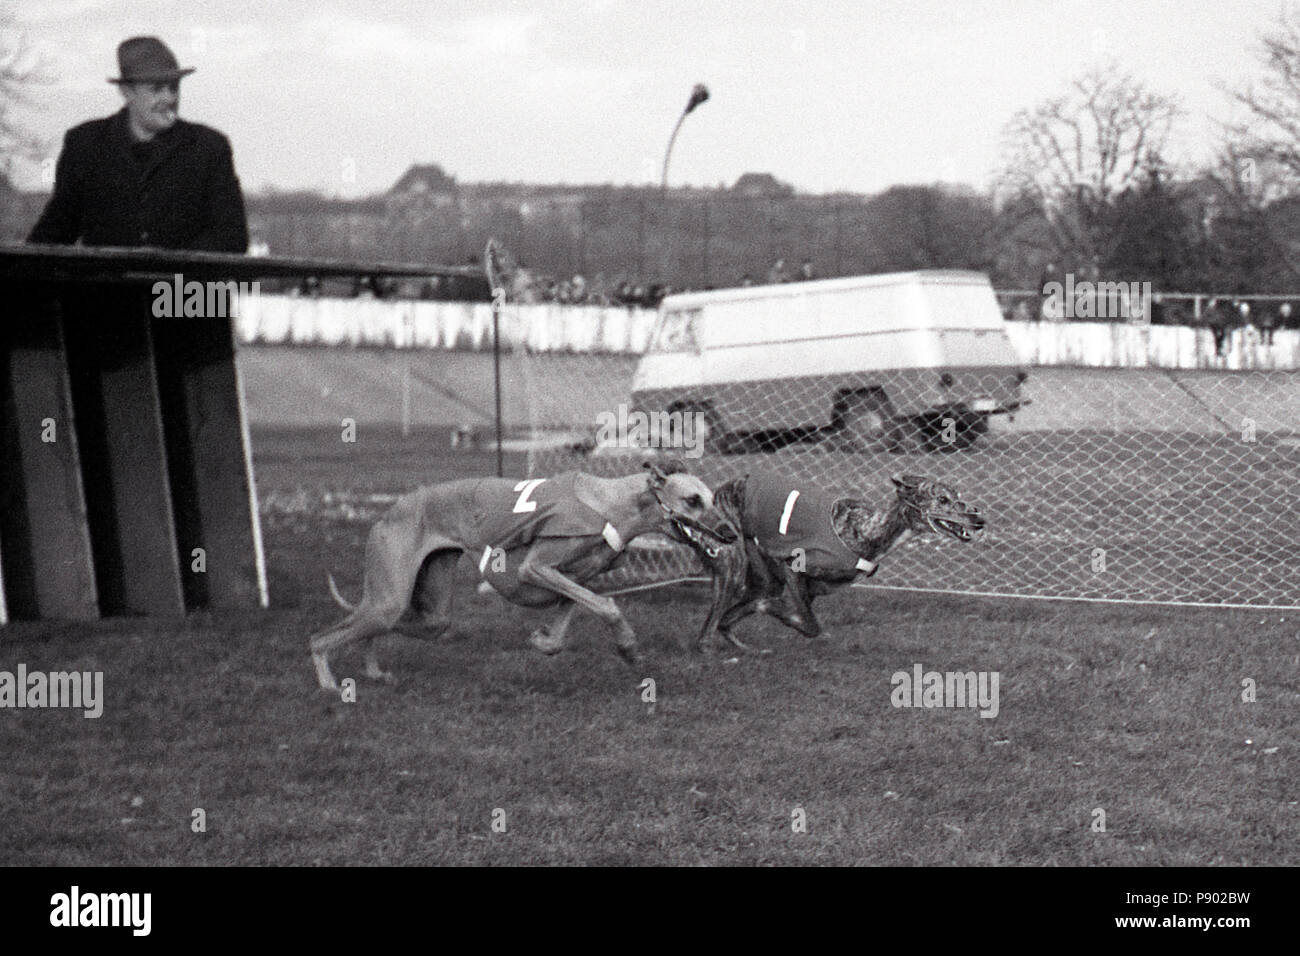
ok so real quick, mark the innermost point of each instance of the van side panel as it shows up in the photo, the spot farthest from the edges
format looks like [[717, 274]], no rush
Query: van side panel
[[825, 355], [774, 403], [832, 314], [822, 355]]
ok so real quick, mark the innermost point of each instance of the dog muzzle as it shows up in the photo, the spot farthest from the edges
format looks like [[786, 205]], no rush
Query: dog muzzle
[[691, 531], [950, 526]]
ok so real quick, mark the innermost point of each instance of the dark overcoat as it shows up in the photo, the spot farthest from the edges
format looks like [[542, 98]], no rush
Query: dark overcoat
[[186, 196]]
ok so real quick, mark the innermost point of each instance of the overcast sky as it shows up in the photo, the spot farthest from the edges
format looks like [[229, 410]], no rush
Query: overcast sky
[[835, 94]]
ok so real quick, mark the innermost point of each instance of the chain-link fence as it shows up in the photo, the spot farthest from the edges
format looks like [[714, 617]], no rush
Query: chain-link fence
[[1138, 484]]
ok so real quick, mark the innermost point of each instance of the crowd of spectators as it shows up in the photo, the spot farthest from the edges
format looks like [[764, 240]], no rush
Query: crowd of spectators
[[780, 272], [1093, 302], [1221, 315], [1259, 318], [530, 288]]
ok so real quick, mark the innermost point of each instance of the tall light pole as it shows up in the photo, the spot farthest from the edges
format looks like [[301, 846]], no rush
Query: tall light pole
[[698, 95]]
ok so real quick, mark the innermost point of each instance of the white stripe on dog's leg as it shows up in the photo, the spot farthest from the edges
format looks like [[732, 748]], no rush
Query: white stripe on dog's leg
[[612, 537], [323, 675], [789, 510]]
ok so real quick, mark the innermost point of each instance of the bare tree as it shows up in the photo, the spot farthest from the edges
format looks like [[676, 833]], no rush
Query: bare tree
[[1073, 155], [1249, 230], [1274, 104]]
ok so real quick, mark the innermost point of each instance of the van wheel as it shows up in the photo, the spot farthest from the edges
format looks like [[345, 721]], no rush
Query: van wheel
[[968, 426], [867, 422]]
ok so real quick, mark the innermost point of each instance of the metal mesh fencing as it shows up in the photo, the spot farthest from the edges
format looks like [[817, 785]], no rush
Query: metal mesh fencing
[[1114, 484]]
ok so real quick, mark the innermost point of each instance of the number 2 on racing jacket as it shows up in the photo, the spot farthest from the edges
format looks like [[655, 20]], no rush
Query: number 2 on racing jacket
[[512, 517]]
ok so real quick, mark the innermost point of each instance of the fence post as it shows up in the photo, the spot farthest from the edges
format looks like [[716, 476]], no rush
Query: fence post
[[771, 233], [496, 375], [582, 240], [839, 241], [406, 393], [640, 240], [707, 281]]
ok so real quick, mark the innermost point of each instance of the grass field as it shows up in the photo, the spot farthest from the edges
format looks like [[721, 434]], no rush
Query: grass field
[[1137, 711]]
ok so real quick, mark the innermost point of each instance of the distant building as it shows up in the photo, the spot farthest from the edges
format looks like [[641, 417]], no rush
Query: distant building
[[428, 183], [760, 185]]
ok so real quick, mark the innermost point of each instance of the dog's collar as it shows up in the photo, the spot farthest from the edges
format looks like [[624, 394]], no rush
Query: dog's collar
[[669, 515], [924, 514]]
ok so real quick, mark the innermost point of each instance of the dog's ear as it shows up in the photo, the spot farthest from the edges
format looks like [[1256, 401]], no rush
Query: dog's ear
[[657, 476], [659, 472], [914, 485], [906, 482]]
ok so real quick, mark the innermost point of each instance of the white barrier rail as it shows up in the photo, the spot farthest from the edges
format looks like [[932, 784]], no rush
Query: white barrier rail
[[552, 327], [462, 326], [1117, 345]]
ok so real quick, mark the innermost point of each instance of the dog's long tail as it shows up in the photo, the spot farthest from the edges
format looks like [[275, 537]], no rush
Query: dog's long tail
[[339, 598]]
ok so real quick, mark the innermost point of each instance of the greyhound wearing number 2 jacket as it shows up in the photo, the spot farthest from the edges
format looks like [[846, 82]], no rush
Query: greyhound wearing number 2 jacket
[[535, 541]]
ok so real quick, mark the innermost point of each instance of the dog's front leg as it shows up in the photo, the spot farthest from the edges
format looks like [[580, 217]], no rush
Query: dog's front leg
[[746, 587], [720, 600], [544, 576], [730, 587]]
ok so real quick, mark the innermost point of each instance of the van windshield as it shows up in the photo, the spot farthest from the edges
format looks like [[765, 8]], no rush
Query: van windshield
[[677, 331]]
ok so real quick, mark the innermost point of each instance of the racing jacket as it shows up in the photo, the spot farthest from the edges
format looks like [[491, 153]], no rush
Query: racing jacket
[[789, 519]]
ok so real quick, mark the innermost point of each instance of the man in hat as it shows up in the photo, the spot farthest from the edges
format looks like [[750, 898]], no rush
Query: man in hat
[[144, 177]]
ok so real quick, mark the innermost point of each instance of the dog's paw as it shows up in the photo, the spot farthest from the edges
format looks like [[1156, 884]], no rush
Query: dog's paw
[[544, 641], [747, 648], [327, 685], [625, 642]]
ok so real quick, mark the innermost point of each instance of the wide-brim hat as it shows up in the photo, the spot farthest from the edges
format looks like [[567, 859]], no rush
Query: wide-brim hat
[[147, 60]]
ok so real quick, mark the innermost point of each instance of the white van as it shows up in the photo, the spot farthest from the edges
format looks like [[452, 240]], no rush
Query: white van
[[864, 363]]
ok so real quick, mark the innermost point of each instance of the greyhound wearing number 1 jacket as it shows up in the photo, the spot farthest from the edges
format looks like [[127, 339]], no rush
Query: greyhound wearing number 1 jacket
[[800, 541], [535, 541]]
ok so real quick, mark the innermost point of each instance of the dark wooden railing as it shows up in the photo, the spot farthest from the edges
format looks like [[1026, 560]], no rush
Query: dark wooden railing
[[126, 481]]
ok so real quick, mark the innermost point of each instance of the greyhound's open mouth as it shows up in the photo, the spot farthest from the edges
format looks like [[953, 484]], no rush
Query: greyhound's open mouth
[[960, 531], [702, 539]]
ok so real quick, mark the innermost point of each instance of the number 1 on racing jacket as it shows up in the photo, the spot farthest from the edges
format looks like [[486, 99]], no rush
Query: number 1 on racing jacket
[[789, 520]]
